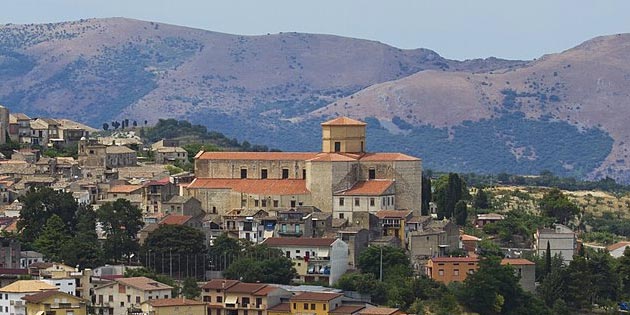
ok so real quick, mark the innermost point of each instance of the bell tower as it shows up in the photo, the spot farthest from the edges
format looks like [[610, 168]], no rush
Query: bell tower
[[343, 135]]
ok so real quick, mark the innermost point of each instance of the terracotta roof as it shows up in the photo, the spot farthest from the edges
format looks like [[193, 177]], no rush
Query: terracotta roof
[[254, 186], [174, 219], [419, 219], [343, 121], [269, 156], [292, 241], [216, 284], [347, 309], [124, 188], [382, 157], [41, 265], [118, 149], [454, 259], [159, 182], [173, 302], [378, 311], [13, 271], [266, 290], [335, 157], [618, 245], [282, 307], [40, 296], [243, 287], [22, 286], [399, 214], [466, 237], [368, 188], [315, 296], [144, 283], [516, 261]]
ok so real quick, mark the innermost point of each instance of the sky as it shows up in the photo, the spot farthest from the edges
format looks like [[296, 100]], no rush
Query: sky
[[457, 29]]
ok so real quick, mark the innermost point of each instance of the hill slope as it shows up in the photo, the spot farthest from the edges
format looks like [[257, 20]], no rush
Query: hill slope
[[565, 112]]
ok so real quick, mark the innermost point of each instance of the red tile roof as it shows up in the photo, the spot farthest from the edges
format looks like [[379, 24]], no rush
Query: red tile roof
[[516, 261], [368, 188], [160, 182], [343, 121], [398, 214], [315, 296], [267, 156], [144, 283], [383, 157], [174, 219], [347, 309], [124, 188], [335, 157], [466, 237], [173, 302], [216, 284], [618, 245], [254, 186], [454, 259], [42, 295], [291, 241], [282, 307], [243, 287], [378, 311]]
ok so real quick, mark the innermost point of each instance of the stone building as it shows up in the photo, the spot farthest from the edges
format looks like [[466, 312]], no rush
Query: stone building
[[561, 239], [282, 180]]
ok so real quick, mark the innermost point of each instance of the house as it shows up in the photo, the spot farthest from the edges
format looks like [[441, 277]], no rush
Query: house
[[28, 257], [95, 155], [371, 196], [13, 293], [392, 223], [381, 311], [170, 155], [124, 192], [294, 223], [232, 297], [173, 306], [245, 224], [127, 294], [561, 239], [616, 250], [469, 243], [436, 240], [451, 269], [182, 205], [525, 270], [10, 250], [318, 303], [315, 259], [283, 180], [156, 193], [485, 218], [54, 302], [357, 239]]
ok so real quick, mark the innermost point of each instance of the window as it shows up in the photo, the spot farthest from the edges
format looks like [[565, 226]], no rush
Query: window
[[362, 146], [245, 300], [294, 306], [324, 307], [456, 272], [341, 216], [288, 254], [243, 173], [138, 300], [256, 203], [303, 173], [292, 203], [312, 306], [341, 201], [372, 203], [337, 146], [219, 299], [371, 173], [305, 306], [258, 302], [275, 203], [357, 202], [111, 298], [441, 272], [263, 173], [122, 304], [264, 203], [285, 173]]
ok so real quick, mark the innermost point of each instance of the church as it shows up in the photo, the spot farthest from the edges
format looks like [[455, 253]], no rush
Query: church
[[342, 179]]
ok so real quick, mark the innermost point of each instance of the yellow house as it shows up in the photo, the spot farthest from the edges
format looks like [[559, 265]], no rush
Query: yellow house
[[174, 306], [315, 303], [393, 222], [53, 302]]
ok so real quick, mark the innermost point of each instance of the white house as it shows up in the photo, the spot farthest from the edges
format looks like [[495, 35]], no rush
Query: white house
[[562, 241], [66, 285], [616, 250], [125, 295], [11, 295], [315, 259]]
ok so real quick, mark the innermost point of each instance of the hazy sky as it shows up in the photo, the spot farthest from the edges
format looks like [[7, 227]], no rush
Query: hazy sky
[[455, 29]]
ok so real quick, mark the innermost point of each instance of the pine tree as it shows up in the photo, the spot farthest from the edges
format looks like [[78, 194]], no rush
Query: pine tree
[[548, 259], [52, 239], [84, 249]]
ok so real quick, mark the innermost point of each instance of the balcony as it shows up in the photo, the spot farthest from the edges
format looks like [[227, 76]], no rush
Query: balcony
[[290, 233]]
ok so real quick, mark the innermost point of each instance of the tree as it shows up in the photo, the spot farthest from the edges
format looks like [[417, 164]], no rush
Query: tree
[[393, 258], [38, 205], [224, 251], [84, 249], [105, 126], [259, 263], [178, 249], [547, 259], [556, 205], [52, 239], [461, 212], [121, 222], [449, 189], [426, 194], [190, 288], [364, 283], [480, 201]]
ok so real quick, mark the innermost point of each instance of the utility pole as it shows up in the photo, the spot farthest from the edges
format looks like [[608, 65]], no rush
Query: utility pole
[[381, 268]]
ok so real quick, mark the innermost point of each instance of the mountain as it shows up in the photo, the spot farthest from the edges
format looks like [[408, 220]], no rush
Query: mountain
[[563, 112]]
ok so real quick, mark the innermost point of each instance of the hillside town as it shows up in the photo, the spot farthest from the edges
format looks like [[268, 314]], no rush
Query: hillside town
[[323, 215]]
